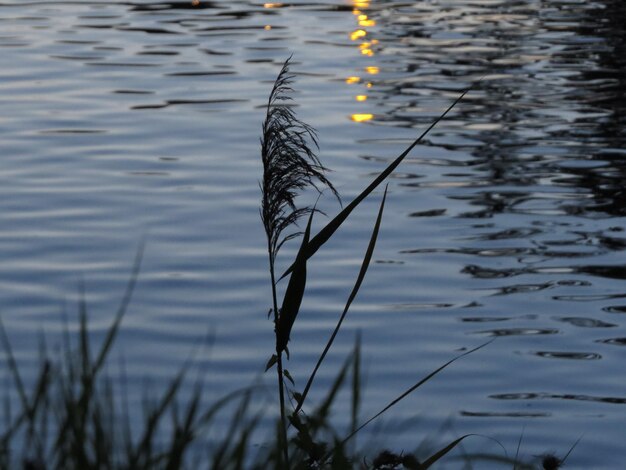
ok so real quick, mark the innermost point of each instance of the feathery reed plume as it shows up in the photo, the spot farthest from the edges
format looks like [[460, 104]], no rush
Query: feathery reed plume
[[289, 165]]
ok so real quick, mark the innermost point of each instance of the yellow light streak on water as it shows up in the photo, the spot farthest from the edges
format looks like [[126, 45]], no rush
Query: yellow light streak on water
[[361, 117], [358, 34]]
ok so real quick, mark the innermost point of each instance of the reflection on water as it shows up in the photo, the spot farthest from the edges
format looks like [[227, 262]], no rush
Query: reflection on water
[[507, 221], [568, 355], [361, 36], [540, 396]]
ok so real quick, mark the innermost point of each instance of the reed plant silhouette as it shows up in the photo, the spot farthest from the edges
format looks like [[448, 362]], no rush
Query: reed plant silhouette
[[289, 167]]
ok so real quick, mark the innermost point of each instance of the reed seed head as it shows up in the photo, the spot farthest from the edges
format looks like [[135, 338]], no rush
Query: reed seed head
[[290, 163]]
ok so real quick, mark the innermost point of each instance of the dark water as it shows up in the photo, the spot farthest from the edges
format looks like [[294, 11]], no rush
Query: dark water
[[124, 119]]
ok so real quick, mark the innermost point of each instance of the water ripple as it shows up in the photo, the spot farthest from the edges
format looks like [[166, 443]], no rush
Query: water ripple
[[585, 356], [121, 119], [557, 396]]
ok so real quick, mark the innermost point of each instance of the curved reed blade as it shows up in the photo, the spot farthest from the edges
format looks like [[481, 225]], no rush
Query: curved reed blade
[[571, 449], [364, 266], [13, 368], [293, 294], [324, 408], [356, 384], [414, 387], [442, 452], [324, 235], [121, 310], [519, 445]]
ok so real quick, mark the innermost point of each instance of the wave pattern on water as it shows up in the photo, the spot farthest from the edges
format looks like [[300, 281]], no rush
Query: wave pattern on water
[[125, 119]]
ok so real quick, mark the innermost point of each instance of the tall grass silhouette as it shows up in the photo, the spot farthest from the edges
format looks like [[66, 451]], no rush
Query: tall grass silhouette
[[290, 166]]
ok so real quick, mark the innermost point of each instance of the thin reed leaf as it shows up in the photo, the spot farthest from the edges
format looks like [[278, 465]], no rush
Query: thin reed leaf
[[183, 434], [304, 440], [356, 384], [294, 294], [144, 449], [414, 387], [34, 408], [308, 426], [364, 266], [208, 415], [442, 452], [12, 363], [288, 376], [271, 362], [519, 445], [323, 409], [220, 456], [331, 227], [571, 449], [121, 311], [30, 408], [125, 430], [85, 353], [240, 452]]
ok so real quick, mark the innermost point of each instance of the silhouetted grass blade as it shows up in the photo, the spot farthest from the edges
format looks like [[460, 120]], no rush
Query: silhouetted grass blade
[[356, 384], [293, 294], [28, 411], [324, 408], [183, 434], [14, 370], [310, 426], [519, 444], [271, 362], [324, 235], [144, 451], [288, 376], [415, 387], [442, 452], [364, 266], [121, 311]]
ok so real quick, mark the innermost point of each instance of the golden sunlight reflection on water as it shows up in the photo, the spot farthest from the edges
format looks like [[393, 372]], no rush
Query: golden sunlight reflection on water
[[362, 117], [366, 49]]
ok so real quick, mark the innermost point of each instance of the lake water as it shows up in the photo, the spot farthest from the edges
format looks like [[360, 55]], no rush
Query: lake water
[[120, 120]]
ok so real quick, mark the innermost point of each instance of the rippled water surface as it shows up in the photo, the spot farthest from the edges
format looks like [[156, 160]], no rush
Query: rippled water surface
[[120, 120]]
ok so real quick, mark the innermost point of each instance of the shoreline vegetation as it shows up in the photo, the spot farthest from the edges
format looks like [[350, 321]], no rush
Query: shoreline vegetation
[[73, 417]]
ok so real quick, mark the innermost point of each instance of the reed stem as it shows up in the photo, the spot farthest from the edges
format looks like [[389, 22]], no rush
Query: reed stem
[[279, 367]]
